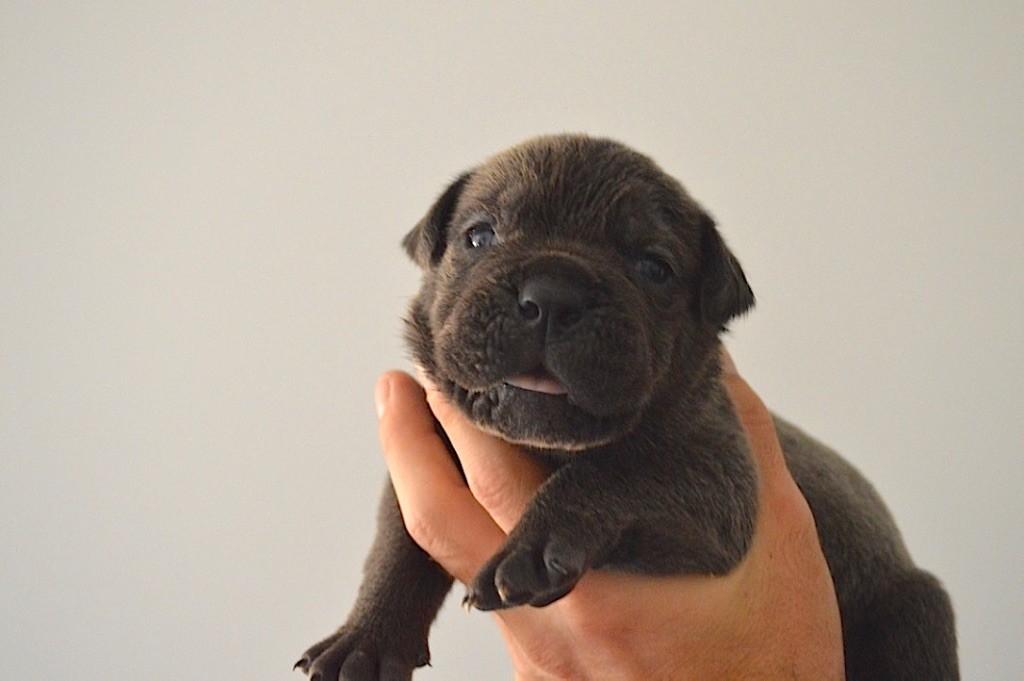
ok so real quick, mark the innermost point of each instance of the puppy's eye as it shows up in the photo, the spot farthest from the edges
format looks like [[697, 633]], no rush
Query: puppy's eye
[[481, 235], [653, 268]]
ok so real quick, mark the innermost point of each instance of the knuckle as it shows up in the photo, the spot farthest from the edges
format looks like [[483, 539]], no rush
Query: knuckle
[[748, 405], [492, 489], [435, 530], [427, 530], [794, 517]]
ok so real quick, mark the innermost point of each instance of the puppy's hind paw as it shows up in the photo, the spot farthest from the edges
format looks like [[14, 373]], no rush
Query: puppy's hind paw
[[350, 655]]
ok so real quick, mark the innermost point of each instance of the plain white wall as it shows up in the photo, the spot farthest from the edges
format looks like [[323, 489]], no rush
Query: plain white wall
[[200, 278]]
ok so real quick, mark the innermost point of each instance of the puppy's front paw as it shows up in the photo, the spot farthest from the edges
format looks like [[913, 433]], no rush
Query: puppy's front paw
[[354, 654], [527, 573]]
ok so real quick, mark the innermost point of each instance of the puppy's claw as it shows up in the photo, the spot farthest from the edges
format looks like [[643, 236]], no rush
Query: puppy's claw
[[503, 593], [482, 601]]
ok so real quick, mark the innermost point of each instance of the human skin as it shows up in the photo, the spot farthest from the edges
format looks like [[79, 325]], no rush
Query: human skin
[[774, 616]]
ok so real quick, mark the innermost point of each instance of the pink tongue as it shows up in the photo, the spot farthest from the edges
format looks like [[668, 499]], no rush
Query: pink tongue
[[539, 383]]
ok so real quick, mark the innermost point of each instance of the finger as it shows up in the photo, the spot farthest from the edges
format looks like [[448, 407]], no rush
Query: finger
[[440, 513], [501, 476], [778, 491], [786, 550], [756, 420]]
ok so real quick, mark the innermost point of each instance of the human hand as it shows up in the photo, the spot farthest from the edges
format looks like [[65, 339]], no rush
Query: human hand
[[774, 616]]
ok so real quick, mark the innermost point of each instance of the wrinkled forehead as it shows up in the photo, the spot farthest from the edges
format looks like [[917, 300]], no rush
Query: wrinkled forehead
[[586, 188]]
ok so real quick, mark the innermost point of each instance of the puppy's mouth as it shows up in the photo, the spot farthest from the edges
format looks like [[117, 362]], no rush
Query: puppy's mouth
[[546, 408], [539, 380]]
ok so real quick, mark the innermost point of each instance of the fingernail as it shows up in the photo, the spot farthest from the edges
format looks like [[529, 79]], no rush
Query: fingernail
[[381, 394], [728, 367]]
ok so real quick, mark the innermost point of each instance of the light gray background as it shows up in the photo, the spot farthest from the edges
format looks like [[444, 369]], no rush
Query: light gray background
[[200, 210]]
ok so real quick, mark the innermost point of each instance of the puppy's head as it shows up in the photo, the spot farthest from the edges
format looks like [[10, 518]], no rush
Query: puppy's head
[[570, 285]]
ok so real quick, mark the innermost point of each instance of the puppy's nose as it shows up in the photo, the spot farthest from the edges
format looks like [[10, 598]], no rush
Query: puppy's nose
[[551, 302]]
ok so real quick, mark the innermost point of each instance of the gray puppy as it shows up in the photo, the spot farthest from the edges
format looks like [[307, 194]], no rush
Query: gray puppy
[[572, 300]]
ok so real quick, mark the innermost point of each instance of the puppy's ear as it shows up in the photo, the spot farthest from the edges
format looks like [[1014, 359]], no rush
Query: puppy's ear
[[724, 292], [426, 242]]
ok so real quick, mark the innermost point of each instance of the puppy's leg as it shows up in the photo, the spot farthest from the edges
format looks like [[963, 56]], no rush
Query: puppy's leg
[[385, 636], [906, 633], [601, 513]]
